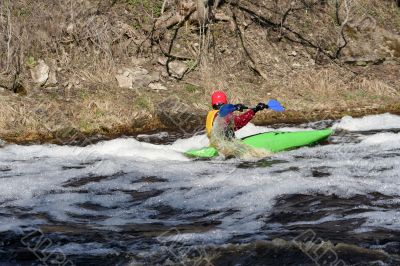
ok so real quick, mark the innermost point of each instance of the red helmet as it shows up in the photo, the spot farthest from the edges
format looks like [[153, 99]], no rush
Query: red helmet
[[218, 97]]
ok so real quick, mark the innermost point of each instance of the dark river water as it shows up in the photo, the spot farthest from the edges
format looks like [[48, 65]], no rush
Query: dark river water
[[139, 201]]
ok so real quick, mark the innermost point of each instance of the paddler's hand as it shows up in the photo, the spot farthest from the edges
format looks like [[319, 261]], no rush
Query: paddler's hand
[[259, 107], [240, 107]]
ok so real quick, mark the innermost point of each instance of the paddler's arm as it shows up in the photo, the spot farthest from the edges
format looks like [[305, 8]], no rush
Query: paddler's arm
[[244, 119]]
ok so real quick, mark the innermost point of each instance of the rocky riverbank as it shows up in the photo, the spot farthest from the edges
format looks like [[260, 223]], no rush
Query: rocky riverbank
[[102, 69]]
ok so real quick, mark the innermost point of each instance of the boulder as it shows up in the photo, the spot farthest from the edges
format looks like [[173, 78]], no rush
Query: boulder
[[2, 143], [178, 69], [40, 73], [141, 81], [137, 77]]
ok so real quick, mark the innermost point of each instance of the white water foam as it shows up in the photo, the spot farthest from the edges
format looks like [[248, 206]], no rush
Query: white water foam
[[390, 140], [371, 122], [57, 182]]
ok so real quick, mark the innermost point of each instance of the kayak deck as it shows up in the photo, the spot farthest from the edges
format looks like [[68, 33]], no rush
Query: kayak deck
[[274, 141]]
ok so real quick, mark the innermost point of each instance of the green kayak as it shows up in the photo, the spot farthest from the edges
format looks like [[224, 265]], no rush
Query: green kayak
[[272, 141]]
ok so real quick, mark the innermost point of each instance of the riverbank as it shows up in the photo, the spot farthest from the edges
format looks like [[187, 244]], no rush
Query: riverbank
[[91, 111], [104, 71], [47, 125]]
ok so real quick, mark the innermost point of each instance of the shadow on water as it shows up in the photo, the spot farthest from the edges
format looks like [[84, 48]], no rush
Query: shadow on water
[[260, 163], [332, 218]]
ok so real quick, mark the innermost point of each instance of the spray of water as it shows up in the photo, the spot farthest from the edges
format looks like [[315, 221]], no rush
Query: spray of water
[[223, 139]]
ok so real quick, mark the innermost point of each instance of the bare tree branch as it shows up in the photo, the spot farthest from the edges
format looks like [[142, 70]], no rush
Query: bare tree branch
[[342, 42], [253, 64], [171, 45], [276, 26]]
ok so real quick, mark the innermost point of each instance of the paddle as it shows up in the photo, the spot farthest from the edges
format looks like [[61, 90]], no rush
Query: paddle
[[229, 108], [226, 109], [276, 106]]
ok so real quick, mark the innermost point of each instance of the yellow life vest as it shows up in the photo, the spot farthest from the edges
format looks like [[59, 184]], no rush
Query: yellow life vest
[[210, 121]]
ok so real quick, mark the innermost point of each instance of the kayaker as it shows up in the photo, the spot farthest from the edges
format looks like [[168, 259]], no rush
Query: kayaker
[[232, 122]]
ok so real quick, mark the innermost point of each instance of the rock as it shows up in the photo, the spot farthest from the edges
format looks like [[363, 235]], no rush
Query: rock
[[293, 53], [52, 80], [162, 61], [157, 87], [138, 71], [2, 143], [137, 77], [164, 73], [141, 81], [124, 81], [2, 89], [296, 65], [40, 73], [178, 69]]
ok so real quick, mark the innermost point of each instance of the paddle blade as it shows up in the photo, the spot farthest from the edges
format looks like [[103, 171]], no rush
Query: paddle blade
[[226, 110], [275, 106]]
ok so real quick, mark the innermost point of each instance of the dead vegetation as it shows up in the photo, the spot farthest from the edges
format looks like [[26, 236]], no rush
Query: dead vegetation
[[332, 54]]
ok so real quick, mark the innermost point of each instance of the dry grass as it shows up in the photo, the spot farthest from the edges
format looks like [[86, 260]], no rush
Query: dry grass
[[94, 112], [332, 88], [89, 41]]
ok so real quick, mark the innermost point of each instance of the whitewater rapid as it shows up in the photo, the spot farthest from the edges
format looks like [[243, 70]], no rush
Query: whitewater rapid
[[114, 184]]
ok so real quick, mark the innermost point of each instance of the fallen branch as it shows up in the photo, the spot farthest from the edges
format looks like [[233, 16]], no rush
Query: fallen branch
[[169, 20]]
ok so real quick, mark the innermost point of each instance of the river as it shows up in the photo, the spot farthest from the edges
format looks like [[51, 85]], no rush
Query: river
[[139, 201]]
